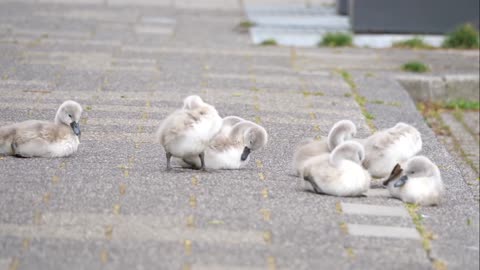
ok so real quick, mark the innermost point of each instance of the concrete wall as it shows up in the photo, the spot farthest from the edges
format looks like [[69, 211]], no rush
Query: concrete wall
[[412, 16]]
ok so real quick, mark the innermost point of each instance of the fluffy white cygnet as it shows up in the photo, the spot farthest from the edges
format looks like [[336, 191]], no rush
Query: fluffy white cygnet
[[385, 148], [232, 150], [342, 130], [188, 131], [417, 181], [35, 138], [340, 172]]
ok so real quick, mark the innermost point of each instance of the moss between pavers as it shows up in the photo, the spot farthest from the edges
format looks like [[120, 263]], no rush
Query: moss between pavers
[[310, 93], [425, 234], [361, 100], [431, 113], [412, 209]]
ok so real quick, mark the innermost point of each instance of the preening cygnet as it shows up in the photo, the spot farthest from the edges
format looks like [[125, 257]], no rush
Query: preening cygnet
[[233, 150], [342, 130], [188, 131], [417, 181], [340, 172], [35, 138], [227, 124], [385, 148]]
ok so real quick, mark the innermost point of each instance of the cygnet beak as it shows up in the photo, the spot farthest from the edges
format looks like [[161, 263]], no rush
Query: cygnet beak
[[76, 128], [246, 152], [397, 170], [401, 181]]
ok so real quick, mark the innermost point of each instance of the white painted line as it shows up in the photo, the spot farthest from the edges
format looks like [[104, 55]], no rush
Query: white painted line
[[126, 228], [378, 192], [374, 210], [383, 231]]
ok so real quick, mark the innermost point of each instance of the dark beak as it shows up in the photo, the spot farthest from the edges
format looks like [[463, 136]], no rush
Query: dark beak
[[246, 152], [76, 128], [401, 181], [397, 170]]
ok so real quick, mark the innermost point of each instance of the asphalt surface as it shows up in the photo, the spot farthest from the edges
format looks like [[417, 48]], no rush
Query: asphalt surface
[[113, 206]]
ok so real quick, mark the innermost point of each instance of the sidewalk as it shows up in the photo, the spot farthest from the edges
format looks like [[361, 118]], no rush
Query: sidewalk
[[113, 206]]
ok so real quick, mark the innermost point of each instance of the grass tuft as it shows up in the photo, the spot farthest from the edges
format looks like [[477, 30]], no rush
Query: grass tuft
[[464, 37], [415, 66], [413, 43], [361, 100], [269, 42], [369, 116], [336, 40], [463, 104], [246, 24], [347, 78]]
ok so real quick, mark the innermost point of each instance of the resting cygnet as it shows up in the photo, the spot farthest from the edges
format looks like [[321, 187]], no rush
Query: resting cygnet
[[35, 138], [340, 172], [342, 130], [233, 151], [188, 131], [418, 181], [388, 147]]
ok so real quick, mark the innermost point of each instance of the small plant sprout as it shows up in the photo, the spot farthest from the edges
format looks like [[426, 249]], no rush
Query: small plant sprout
[[464, 37], [415, 66], [336, 40]]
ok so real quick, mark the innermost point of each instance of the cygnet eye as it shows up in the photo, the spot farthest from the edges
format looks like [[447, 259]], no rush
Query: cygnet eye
[[69, 115]]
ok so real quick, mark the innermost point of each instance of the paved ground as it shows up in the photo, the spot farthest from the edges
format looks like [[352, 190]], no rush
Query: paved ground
[[112, 205]]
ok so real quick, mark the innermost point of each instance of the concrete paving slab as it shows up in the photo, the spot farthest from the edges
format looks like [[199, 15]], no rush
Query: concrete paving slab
[[382, 231], [374, 210]]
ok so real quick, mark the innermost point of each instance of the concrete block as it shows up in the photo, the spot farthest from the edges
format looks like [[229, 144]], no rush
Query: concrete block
[[446, 88], [411, 16]]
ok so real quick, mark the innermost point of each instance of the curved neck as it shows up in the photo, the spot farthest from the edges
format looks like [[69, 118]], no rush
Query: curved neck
[[58, 121], [335, 140], [239, 129]]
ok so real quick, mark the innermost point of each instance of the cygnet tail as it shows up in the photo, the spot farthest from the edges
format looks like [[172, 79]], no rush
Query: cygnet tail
[[5, 141]]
